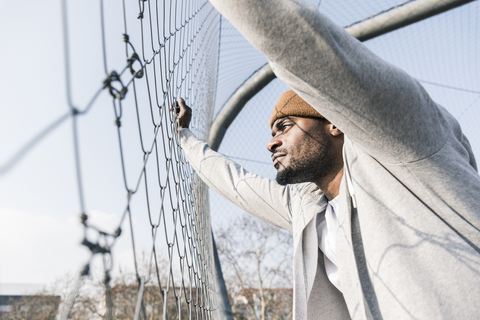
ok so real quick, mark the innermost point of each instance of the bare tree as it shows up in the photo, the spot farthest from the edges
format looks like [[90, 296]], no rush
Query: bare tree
[[157, 298], [256, 261], [165, 294]]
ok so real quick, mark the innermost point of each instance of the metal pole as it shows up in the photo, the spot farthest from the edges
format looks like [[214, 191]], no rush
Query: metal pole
[[401, 17], [224, 308]]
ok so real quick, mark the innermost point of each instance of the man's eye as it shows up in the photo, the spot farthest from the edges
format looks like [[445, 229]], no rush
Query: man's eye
[[281, 128]]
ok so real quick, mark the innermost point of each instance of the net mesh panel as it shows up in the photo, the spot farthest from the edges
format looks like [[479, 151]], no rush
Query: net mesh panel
[[169, 52], [440, 50], [238, 60]]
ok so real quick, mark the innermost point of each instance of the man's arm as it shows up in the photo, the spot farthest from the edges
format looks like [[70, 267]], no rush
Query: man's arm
[[259, 196], [378, 106]]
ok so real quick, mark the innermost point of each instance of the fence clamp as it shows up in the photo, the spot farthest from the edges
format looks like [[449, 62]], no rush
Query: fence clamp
[[108, 83], [95, 247], [137, 74]]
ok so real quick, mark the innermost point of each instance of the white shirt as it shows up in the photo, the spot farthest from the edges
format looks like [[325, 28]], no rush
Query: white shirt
[[327, 225]]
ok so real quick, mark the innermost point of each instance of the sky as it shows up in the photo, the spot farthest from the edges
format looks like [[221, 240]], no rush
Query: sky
[[39, 203]]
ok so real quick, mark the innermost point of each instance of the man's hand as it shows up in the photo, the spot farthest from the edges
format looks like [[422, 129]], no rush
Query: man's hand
[[184, 114]]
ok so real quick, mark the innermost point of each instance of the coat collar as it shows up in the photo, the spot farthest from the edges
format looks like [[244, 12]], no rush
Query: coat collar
[[314, 201], [306, 246]]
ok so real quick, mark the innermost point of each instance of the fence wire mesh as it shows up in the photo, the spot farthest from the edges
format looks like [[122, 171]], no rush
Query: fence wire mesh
[[162, 51], [175, 55]]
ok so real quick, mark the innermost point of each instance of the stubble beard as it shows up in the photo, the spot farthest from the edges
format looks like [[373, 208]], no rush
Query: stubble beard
[[312, 166]]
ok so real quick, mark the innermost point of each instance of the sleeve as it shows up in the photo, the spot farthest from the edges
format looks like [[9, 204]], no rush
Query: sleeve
[[378, 106], [257, 195]]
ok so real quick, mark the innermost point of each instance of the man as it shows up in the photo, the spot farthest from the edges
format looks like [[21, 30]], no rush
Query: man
[[398, 224]]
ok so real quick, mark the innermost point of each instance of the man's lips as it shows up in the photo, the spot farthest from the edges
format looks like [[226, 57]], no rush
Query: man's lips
[[276, 157]]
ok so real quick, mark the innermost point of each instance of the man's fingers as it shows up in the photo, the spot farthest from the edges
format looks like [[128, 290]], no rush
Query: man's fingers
[[182, 107], [179, 107], [183, 113], [174, 106], [181, 103]]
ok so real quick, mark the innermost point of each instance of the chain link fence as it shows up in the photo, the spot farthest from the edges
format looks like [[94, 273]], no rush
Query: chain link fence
[[135, 60]]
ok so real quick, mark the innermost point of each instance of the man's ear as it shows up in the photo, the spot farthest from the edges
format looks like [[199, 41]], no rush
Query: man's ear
[[334, 131]]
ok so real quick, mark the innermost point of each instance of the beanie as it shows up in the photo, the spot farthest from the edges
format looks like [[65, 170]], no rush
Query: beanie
[[290, 104]]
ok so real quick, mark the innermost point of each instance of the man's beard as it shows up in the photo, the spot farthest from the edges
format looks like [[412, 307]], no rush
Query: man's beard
[[312, 166]]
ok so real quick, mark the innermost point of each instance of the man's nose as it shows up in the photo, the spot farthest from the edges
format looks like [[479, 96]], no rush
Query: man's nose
[[274, 144]]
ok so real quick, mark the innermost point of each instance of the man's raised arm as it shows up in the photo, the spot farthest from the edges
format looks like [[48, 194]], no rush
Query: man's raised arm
[[378, 106]]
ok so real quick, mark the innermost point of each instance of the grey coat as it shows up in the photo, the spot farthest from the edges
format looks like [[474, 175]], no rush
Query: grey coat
[[408, 243]]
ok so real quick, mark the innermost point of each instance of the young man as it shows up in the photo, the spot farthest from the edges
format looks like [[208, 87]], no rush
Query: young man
[[394, 232]]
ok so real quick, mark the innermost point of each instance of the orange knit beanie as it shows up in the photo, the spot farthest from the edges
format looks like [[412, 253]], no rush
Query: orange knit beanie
[[290, 104]]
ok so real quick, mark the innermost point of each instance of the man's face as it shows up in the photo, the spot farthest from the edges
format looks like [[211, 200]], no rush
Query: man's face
[[301, 149]]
